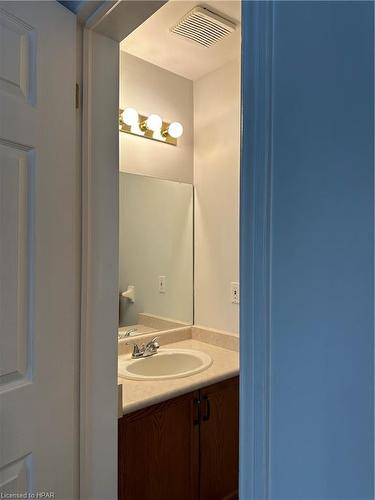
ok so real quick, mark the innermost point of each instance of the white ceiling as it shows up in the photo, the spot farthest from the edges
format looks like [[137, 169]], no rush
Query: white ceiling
[[153, 42]]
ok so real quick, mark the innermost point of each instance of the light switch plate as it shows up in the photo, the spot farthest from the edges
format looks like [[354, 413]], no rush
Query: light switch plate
[[235, 292]]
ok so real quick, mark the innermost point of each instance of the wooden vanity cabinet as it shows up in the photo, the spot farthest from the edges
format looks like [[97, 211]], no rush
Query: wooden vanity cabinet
[[219, 441], [185, 448], [158, 451]]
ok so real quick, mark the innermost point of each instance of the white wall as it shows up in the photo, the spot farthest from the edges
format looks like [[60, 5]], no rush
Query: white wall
[[156, 239], [216, 180], [151, 89]]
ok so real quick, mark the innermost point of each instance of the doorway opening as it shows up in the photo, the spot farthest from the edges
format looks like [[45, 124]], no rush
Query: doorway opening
[[179, 160]]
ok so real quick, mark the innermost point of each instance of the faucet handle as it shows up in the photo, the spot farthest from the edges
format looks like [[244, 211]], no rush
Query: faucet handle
[[155, 342], [136, 349]]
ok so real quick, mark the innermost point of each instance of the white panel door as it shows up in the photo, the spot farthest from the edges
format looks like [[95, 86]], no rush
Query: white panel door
[[39, 251]]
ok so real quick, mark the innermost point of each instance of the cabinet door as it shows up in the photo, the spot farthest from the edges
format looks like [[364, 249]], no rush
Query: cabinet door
[[159, 451], [219, 431]]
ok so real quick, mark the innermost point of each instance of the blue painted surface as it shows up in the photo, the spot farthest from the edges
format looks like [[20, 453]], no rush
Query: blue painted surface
[[255, 246], [322, 252], [321, 332]]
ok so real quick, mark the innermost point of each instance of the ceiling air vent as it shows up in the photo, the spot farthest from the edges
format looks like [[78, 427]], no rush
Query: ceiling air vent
[[204, 27]]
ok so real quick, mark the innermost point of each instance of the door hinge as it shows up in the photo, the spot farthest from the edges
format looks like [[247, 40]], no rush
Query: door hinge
[[77, 95]]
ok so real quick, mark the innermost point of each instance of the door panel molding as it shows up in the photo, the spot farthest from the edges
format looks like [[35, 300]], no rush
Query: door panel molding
[[255, 247], [17, 269], [16, 476], [18, 60]]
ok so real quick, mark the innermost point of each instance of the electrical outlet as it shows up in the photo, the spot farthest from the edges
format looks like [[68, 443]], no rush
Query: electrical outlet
[[235, 292], [162, 284]]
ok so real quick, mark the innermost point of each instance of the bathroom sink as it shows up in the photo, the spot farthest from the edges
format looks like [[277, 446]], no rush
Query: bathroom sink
[[166, 364]]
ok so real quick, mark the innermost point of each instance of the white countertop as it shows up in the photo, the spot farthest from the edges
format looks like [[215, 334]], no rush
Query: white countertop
[[137, 394]]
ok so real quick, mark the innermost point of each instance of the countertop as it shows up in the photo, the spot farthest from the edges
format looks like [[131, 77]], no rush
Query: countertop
[[137, 394]]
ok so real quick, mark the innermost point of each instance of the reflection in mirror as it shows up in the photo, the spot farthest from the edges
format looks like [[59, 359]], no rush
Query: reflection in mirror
[[156, 255]]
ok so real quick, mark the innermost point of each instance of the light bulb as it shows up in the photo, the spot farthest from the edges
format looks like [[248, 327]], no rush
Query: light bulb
[[154, 123], [130, 116], [175, 130]]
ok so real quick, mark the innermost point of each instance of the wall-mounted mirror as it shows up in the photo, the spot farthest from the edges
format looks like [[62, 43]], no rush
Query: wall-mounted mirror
[[156, 254]]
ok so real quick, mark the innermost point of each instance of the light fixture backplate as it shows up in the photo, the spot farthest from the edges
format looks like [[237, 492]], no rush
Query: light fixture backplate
[[148, 134]]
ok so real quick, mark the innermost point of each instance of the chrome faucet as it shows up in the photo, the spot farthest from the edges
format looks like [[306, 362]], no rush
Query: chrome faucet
[[143, 351], [127, 333]]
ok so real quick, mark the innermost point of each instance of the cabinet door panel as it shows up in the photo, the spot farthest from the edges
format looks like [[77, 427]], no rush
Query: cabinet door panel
[[219, 441], [158, 452]]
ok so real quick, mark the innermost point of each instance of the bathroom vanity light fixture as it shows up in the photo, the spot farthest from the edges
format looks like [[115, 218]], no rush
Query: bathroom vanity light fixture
[[153, 123], [175, 130], [130, 116], [151, 127]]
